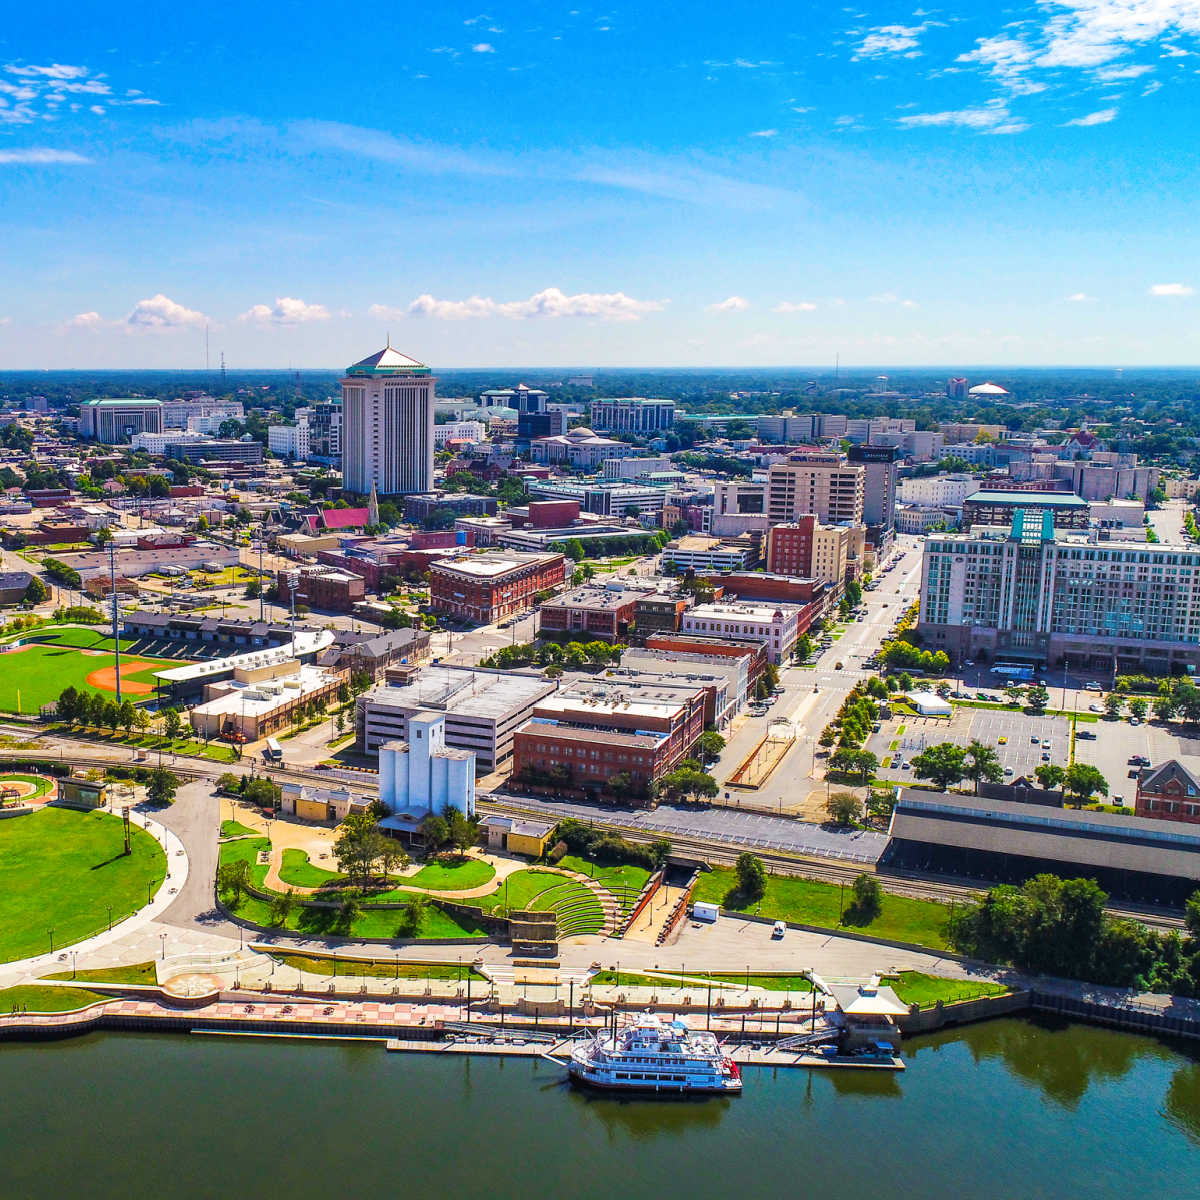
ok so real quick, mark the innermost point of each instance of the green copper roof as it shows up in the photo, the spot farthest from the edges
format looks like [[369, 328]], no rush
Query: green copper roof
[[388, 361]]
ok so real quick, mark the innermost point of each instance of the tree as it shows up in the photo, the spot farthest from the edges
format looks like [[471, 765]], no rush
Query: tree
[[1113, 704], [142, 719], [162, 786], [128, 714], [868, 899], [1050, 775], [233, 881], [392, 855], [281, 908], [1083, 782], [68, 707], [710, 745], [982, 764], [687, 783], [751, 876], [827, 738], [574, 550], [172, 722], [1013, 694], [436, 832], [852, 761], [358, 846], [845, 808], [36, 591], [1037, 698], [660, 851], [1191, 915], [854, 593], [461, 833], [1137, 707], [412, 915], [944, 764]]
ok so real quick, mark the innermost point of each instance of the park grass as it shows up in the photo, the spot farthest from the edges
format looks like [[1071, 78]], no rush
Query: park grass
[[186, 746], [915, 987], [297, 870], [39, 998], [138, 973], [235, 829], [61, 869], [521, 888], [768, 982], [811, 902], [247, 850], [42, 786], [624, 881], [450, 875], [373, 923], [378, 968]]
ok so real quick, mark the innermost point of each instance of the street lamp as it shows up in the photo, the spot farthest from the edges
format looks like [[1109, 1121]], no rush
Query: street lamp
[[50, 935], [162, 937]]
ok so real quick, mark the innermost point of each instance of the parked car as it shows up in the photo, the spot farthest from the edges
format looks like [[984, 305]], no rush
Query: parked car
[[778, 929], [1091, 686], [1096, 708], [1087, 734]]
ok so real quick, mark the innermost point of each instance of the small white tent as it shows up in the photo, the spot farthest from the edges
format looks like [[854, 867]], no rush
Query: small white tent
[[930, 705]]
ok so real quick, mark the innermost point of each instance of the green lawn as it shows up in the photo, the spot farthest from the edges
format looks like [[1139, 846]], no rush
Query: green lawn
[[518, 891], [379, 968], [233, 829], [51, 661], [143, 973], [217, 751], [39, 998], [772, 983], [438, 876], [625, 882], [61, 868], [913, 987], [247, 850], [810, 902]]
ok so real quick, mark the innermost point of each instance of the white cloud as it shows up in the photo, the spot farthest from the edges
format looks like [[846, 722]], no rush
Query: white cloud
[[86, 320], [794, 306], [730, 304], [1101, 117], [286, 311], [1133, 71], [765, 133], [1171, 289], [550, 302], [40, 92], [891, 298], [53, 71], [161, 312], [889, 39], [37, 156], [993, 117], [483, 48], [1080, 298]]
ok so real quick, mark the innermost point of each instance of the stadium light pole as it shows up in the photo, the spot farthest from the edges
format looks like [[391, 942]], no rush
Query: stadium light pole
[[112, 583]]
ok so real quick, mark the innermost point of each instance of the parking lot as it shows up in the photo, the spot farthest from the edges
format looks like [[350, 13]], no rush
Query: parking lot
[[1111, 747]]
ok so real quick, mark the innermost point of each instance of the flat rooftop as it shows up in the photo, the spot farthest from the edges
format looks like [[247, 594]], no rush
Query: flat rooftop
[[489, 694], [748, 612], [1029, 499], [489, 566], [257, 699], [587, 736]]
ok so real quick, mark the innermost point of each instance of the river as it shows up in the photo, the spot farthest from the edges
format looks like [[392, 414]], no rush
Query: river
[[1006, 1109]]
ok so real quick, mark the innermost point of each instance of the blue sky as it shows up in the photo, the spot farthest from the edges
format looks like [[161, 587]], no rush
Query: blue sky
[[651, 184]]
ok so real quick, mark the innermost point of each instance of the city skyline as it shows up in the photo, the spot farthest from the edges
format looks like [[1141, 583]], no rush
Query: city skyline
[[602, 186]]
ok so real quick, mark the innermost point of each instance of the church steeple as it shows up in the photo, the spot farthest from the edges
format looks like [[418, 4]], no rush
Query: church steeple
[[373, 506]]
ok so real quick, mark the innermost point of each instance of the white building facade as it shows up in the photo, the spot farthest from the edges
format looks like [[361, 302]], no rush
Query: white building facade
[[423, 775], [774, 625]]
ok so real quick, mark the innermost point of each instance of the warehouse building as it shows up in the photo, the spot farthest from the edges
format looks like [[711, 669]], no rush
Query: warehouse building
[[1136, 859]]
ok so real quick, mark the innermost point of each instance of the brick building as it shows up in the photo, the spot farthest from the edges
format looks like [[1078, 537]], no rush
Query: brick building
[[594, 611], [322, 587], [1168, 793], [484, 588], [811, 596], [659, 614], [712, 647], [600, 729]]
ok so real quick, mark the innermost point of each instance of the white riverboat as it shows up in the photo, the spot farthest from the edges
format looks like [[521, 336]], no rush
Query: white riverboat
[[652, 1055]]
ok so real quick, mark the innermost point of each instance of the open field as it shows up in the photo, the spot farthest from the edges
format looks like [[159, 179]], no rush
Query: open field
[[378, 968], [41, 998], [139, 973], [62, 870], [913, 987], [52, 659], [810, 902]]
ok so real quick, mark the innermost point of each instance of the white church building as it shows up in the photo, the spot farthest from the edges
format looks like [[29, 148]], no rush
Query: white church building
[[423, 775]]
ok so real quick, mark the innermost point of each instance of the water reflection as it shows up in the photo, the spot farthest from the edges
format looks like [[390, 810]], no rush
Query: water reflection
[[1182, 1105], [1061, 1059], [644, 1118]]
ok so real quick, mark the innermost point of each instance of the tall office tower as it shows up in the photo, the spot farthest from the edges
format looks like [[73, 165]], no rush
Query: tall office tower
[[816, 482], [879, 464], [387, 425]]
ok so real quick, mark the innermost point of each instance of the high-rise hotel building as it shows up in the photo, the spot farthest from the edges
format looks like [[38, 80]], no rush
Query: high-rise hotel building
[[1042, 596], [387, 425]]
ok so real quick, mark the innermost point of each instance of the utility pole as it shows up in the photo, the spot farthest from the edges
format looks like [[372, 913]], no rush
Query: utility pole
[[112, 581], [260, 574]]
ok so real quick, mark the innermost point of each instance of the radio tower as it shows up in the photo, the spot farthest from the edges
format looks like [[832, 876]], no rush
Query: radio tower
[[222, 368]]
